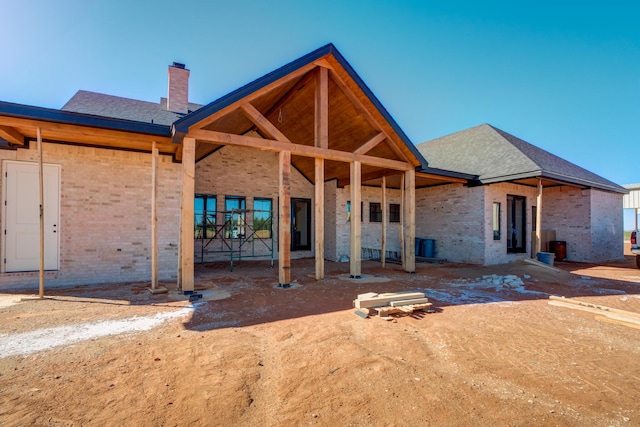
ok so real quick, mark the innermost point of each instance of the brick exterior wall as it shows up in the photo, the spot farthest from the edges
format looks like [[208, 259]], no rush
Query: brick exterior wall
[[590, 221], [371, 231], [606, 226], [566, 210], [452, 215], [105, 234], [249, 173], [105, 216], [496, 250]]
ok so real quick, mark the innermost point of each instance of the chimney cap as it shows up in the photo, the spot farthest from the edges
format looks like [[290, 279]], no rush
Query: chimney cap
[[178, 65]]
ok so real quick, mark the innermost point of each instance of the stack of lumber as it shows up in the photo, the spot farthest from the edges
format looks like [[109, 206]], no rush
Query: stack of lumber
[[606, 314], [391, 303]]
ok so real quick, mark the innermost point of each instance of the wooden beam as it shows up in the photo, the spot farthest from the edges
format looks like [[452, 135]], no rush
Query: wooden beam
[[12, 136], [383, 238], [356, 227], [262, 123], [319, 217], [154, 216], [538, 237], [252, 96], [410, 221], [41, 191], [440, 177], [188, 193], [213, 137], [322, 109], [284, 223], [323, 63], [66, 132], [368, 146]]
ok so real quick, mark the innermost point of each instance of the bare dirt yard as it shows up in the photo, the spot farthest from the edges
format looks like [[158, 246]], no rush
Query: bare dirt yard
[[250, 353]]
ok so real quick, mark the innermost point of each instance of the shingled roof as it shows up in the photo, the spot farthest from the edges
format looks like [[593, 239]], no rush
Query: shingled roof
[[118, 107], [497, 156]]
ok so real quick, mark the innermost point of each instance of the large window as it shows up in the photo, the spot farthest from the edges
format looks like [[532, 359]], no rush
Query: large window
[[516, 223], [375, 212], [262, 218], [234, 216], [204, 216], [394, 212]]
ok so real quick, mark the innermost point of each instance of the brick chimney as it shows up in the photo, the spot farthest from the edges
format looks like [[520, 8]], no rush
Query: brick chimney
[[178, 96]]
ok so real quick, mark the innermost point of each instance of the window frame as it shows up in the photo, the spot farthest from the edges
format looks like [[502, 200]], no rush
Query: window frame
[[497, 221], [207, 227], [242, 219], [394, 218], [268, 220], [375, 212]]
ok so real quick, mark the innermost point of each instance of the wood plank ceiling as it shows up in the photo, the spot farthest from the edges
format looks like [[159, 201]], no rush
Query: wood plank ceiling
[[354, 123]]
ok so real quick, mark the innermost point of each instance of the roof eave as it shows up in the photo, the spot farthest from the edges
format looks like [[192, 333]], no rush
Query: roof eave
[[568, 180], [22, 111]]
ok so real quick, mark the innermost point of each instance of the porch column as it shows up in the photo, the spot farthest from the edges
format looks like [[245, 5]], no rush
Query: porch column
[[284, 223], [410, 220], [538, 219], [188, 191], [321, 140], [383, 238], [41, 187], [403, 256], [319, 214], [154, 216], [356, 227]]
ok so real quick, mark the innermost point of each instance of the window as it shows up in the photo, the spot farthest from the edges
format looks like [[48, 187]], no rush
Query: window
[[496, 221], [375, 212], [349, 211], [234, 216], [516, 223], [204, 211], [262, 218], [394, 212]]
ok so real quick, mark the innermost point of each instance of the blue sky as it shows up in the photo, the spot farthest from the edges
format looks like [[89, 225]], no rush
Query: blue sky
[[563, 76]]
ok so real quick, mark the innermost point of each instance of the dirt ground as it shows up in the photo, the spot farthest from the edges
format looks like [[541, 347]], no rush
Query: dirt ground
[[250, 353]]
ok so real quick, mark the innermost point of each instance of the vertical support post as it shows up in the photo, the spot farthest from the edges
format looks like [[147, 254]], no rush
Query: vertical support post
[[41, 187], [538, 239], [188, 194], [410, 220], [322, 141], [401, 223], [636, 210], [383, 238], [284, 223], [322, 109], [154, 215], [356, 227], [319, 214]]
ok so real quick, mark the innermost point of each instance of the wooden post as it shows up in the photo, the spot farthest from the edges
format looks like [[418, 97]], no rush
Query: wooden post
[[41, 186], [319, 214], [410, 220], [401, 223], [538, 243], [321, 137], [284, 223], [154, 216], [188, 193], [383, 239], [356, 227]]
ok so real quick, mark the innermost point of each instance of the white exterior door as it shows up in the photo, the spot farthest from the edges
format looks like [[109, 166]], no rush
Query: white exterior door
[[21, 217]]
